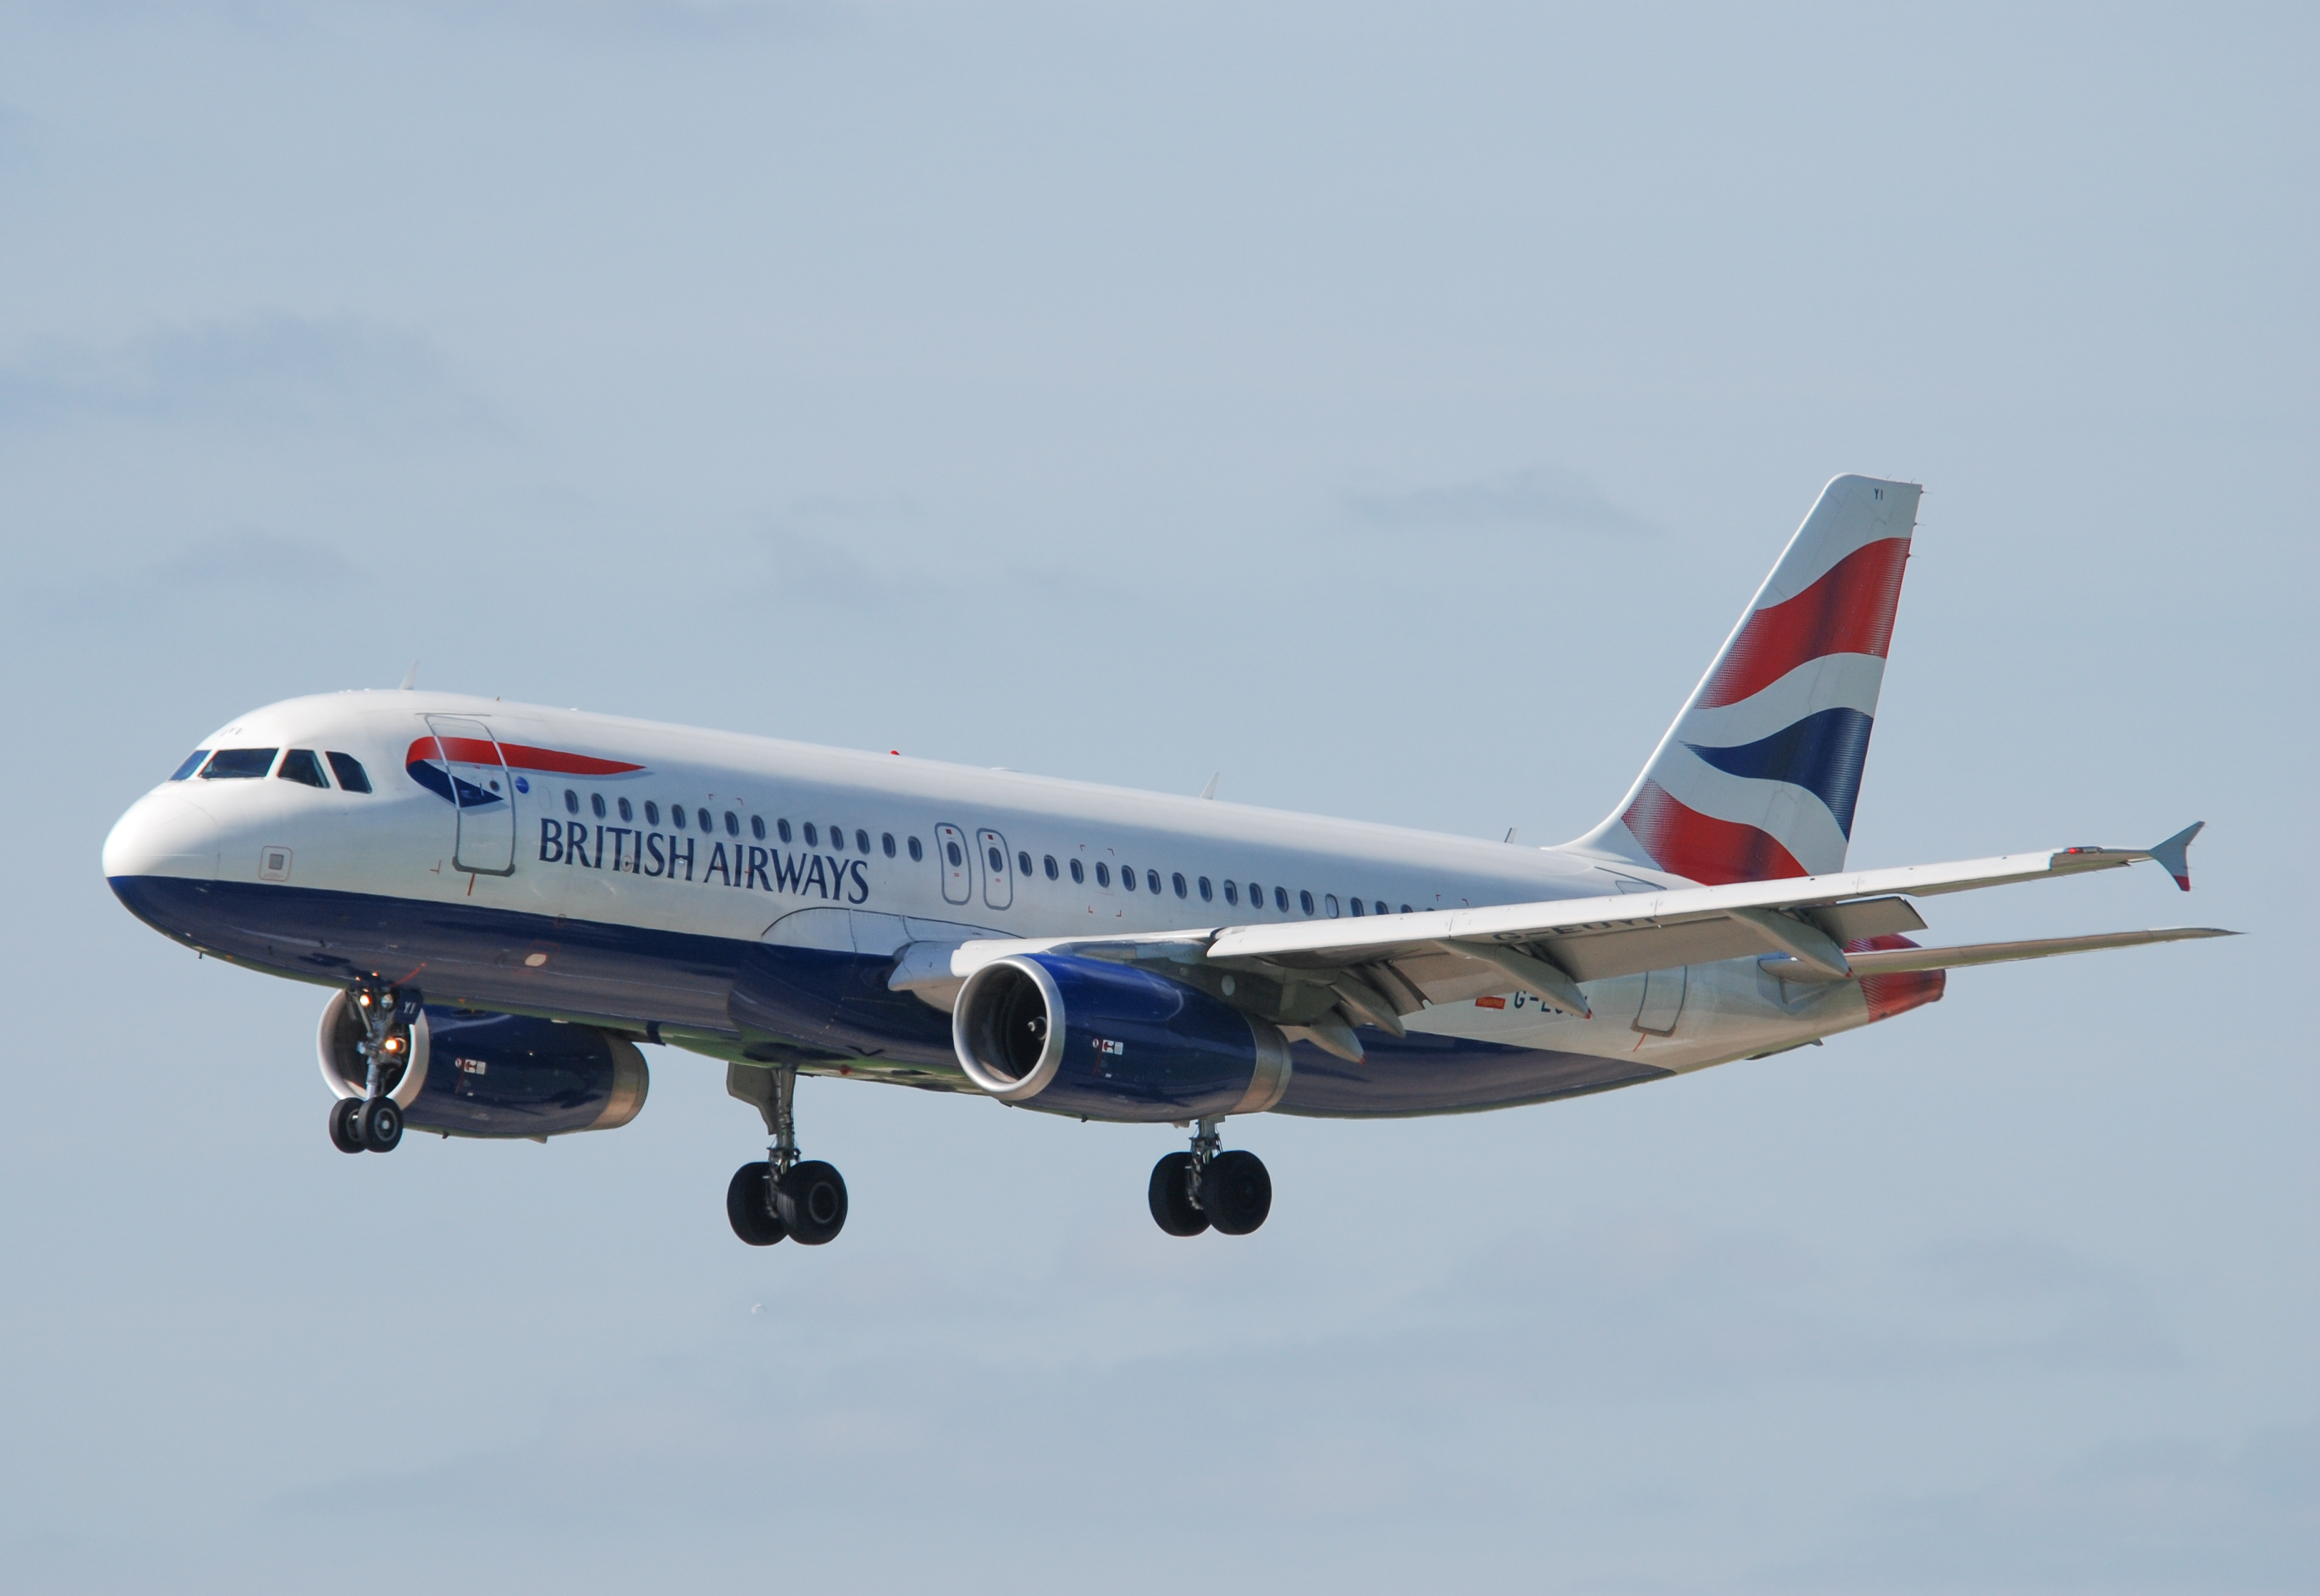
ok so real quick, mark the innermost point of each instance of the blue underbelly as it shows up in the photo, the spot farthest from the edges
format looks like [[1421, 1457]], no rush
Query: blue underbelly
[[781, 1003]]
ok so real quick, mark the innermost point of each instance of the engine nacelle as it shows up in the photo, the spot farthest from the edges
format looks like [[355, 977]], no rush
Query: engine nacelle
[[466, 1074], [1080, 1035]]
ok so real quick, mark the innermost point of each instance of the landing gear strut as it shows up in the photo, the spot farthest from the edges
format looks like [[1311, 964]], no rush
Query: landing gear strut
[[783, 1196], [373, 1122], [1207, 1187]]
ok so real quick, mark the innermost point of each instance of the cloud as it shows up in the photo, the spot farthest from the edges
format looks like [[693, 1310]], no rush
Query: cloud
[[680, 22], [245, 558], [272, 369], [2156, 1515], [1540, 497]]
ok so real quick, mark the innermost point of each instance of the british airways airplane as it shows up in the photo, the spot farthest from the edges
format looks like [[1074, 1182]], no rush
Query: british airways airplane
[[505, 899]]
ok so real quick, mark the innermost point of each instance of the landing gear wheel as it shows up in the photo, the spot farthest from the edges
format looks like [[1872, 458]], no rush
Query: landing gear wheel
[[1235, 1191], [343, 1134], [813, 1202], [1172, 1209], [379, 1122], [749, 1205]]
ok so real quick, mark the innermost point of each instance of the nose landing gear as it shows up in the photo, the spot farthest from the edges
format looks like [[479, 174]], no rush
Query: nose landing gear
[[804, 1200], [373, 1122], [1192, 1192]]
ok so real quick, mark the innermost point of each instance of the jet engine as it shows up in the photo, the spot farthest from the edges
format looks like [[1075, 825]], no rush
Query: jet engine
[[1107, 1041], [465, 1074]]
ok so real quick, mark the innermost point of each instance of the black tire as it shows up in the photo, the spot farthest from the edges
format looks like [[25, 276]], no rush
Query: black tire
[[1171, 1195], [380, 1120], [749, 1205], [343, 1134], [812, 1200], [1237, 1191]]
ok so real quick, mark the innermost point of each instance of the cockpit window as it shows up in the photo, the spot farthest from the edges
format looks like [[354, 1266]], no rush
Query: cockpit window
[[238, 765], [352, 776], [193, 763], [299, 765]]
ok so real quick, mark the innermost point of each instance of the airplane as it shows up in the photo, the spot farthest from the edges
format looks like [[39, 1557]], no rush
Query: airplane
[[507, 901]]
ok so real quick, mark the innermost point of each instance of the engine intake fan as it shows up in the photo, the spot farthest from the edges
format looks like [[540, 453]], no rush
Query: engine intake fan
[[1107, 1041]]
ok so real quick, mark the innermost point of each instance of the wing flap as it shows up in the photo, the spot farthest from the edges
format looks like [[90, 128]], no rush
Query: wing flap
[[1894, 961]]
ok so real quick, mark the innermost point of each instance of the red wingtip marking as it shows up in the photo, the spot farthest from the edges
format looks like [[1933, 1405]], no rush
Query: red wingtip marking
[[2184, 881]]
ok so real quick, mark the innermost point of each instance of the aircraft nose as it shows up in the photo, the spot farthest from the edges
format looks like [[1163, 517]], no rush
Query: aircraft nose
[[164, 833]]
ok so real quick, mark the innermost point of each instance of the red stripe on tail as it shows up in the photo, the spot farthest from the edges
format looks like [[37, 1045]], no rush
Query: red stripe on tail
[[1849, 610], [1712, 852]]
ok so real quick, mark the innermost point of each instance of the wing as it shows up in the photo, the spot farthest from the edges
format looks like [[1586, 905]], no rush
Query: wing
[[1377, 968]]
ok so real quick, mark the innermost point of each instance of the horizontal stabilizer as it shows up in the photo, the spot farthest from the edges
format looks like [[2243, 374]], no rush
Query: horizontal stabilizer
[[1894, 961]]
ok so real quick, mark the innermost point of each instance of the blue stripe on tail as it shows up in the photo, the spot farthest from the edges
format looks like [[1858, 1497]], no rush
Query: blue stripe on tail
[[1822, 753]]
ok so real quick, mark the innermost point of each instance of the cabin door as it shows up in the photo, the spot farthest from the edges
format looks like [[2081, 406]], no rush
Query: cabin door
[[484, 793]]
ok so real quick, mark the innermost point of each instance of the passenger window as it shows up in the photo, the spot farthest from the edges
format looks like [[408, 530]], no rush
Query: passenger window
[[838, 838], [1232, 893], [236, 765], [1102, 874], [1357, 908], [571, 801], [1406, 909], [757, 826], [1079, 872], [628, 813], [1022, 864], [917, 852], [732, 824], [813, 836], [194, 762], [1281, 899], [652, 813], [1381, 907], [1208, 892], [887, 841], [1048, 864], [952, 849], [998, 861], [862, 842], [1126, 875], [676, 816], [782, 829], [1306, 899], [596, 803], [299, 765], [352, 776], [1256, 896], [1152, 880], [702, 816], [1329, 904]]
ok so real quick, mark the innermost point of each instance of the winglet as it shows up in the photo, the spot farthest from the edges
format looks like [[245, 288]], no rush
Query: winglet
[[410, 678], [2175, 853], [1210, 790]]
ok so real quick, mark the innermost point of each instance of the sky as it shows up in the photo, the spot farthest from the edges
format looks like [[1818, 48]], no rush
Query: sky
[[1388, 407]]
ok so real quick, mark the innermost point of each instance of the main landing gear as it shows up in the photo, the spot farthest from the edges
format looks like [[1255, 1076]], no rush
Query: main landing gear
[[1208, 1188], [373, 1122], [782, 1196]]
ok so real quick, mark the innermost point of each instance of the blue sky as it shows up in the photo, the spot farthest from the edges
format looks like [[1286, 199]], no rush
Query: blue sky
[[1391, 408]]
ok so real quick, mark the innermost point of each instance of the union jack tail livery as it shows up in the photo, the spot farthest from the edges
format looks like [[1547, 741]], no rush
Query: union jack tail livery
[[1757, 778]]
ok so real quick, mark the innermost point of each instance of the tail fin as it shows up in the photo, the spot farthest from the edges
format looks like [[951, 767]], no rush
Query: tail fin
[[1758, 776]]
